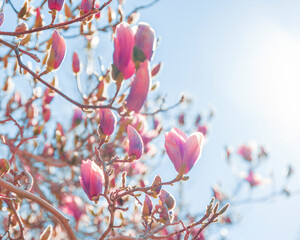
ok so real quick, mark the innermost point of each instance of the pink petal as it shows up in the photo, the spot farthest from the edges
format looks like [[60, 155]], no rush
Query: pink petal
[[193, 150]]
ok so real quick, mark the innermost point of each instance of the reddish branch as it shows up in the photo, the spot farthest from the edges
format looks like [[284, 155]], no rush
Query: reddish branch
[[59, 25], [25, 194]]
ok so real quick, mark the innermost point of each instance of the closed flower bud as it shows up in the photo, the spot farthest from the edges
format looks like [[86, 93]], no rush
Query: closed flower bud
[[91, 179], [183, 151], [157, 187], [86, 5], [75, 63], [167, 198], [147, 207], [134, 146], [4, 166], [20, 28], [122, 56], [57, 52], [56, 4], [108, 121], [139, 88], [47, 233], [1, 19], [145, 39]]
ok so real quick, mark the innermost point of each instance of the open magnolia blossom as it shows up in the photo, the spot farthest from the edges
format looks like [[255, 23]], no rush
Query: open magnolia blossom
[[183, 151]]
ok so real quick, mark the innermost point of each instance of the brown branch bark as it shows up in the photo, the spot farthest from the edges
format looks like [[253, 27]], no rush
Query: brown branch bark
[[25, 194]]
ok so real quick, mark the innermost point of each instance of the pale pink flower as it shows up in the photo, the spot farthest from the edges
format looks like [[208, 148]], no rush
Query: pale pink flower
[[139, 88], [122, 56], [145, 39], [246, 151], [183, 151]]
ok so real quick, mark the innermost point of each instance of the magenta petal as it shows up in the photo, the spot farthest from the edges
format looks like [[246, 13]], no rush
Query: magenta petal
[[139, 88], [135, 143], [123, 44], [86, 5], [56, 4], [108, 121], [193, 149], [145, 39], [174, 146]]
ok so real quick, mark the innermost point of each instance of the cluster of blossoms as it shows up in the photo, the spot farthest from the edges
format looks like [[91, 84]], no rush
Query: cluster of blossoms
[[104, 150]]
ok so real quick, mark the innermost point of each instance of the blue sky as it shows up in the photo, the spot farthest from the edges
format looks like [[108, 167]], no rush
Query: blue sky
[[241, 58]]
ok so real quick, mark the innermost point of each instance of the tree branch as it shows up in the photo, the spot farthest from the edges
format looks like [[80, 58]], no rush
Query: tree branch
[[25, 194]]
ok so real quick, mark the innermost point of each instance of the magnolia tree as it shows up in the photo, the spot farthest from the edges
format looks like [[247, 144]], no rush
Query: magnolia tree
[[106, 151]]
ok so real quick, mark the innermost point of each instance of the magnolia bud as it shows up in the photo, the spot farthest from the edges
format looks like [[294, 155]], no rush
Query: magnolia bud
[[147, 207], [91, 179], [75, 63], [57, 52], [167, 198], [108, 121], [134, 146], [56, 4]]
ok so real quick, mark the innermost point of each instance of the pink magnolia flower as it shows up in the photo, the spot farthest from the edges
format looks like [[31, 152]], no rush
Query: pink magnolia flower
[[91, 179], [139, 88], [108, 121], [73, 205], [134, 146], [218, 194], [253, 179], [145, 39], [203, 129], [1, 19], [57, 51], [246, 151], [55, 4], [123, 44], [183, 151], [147, 207], [75, 63], [86, 5]]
